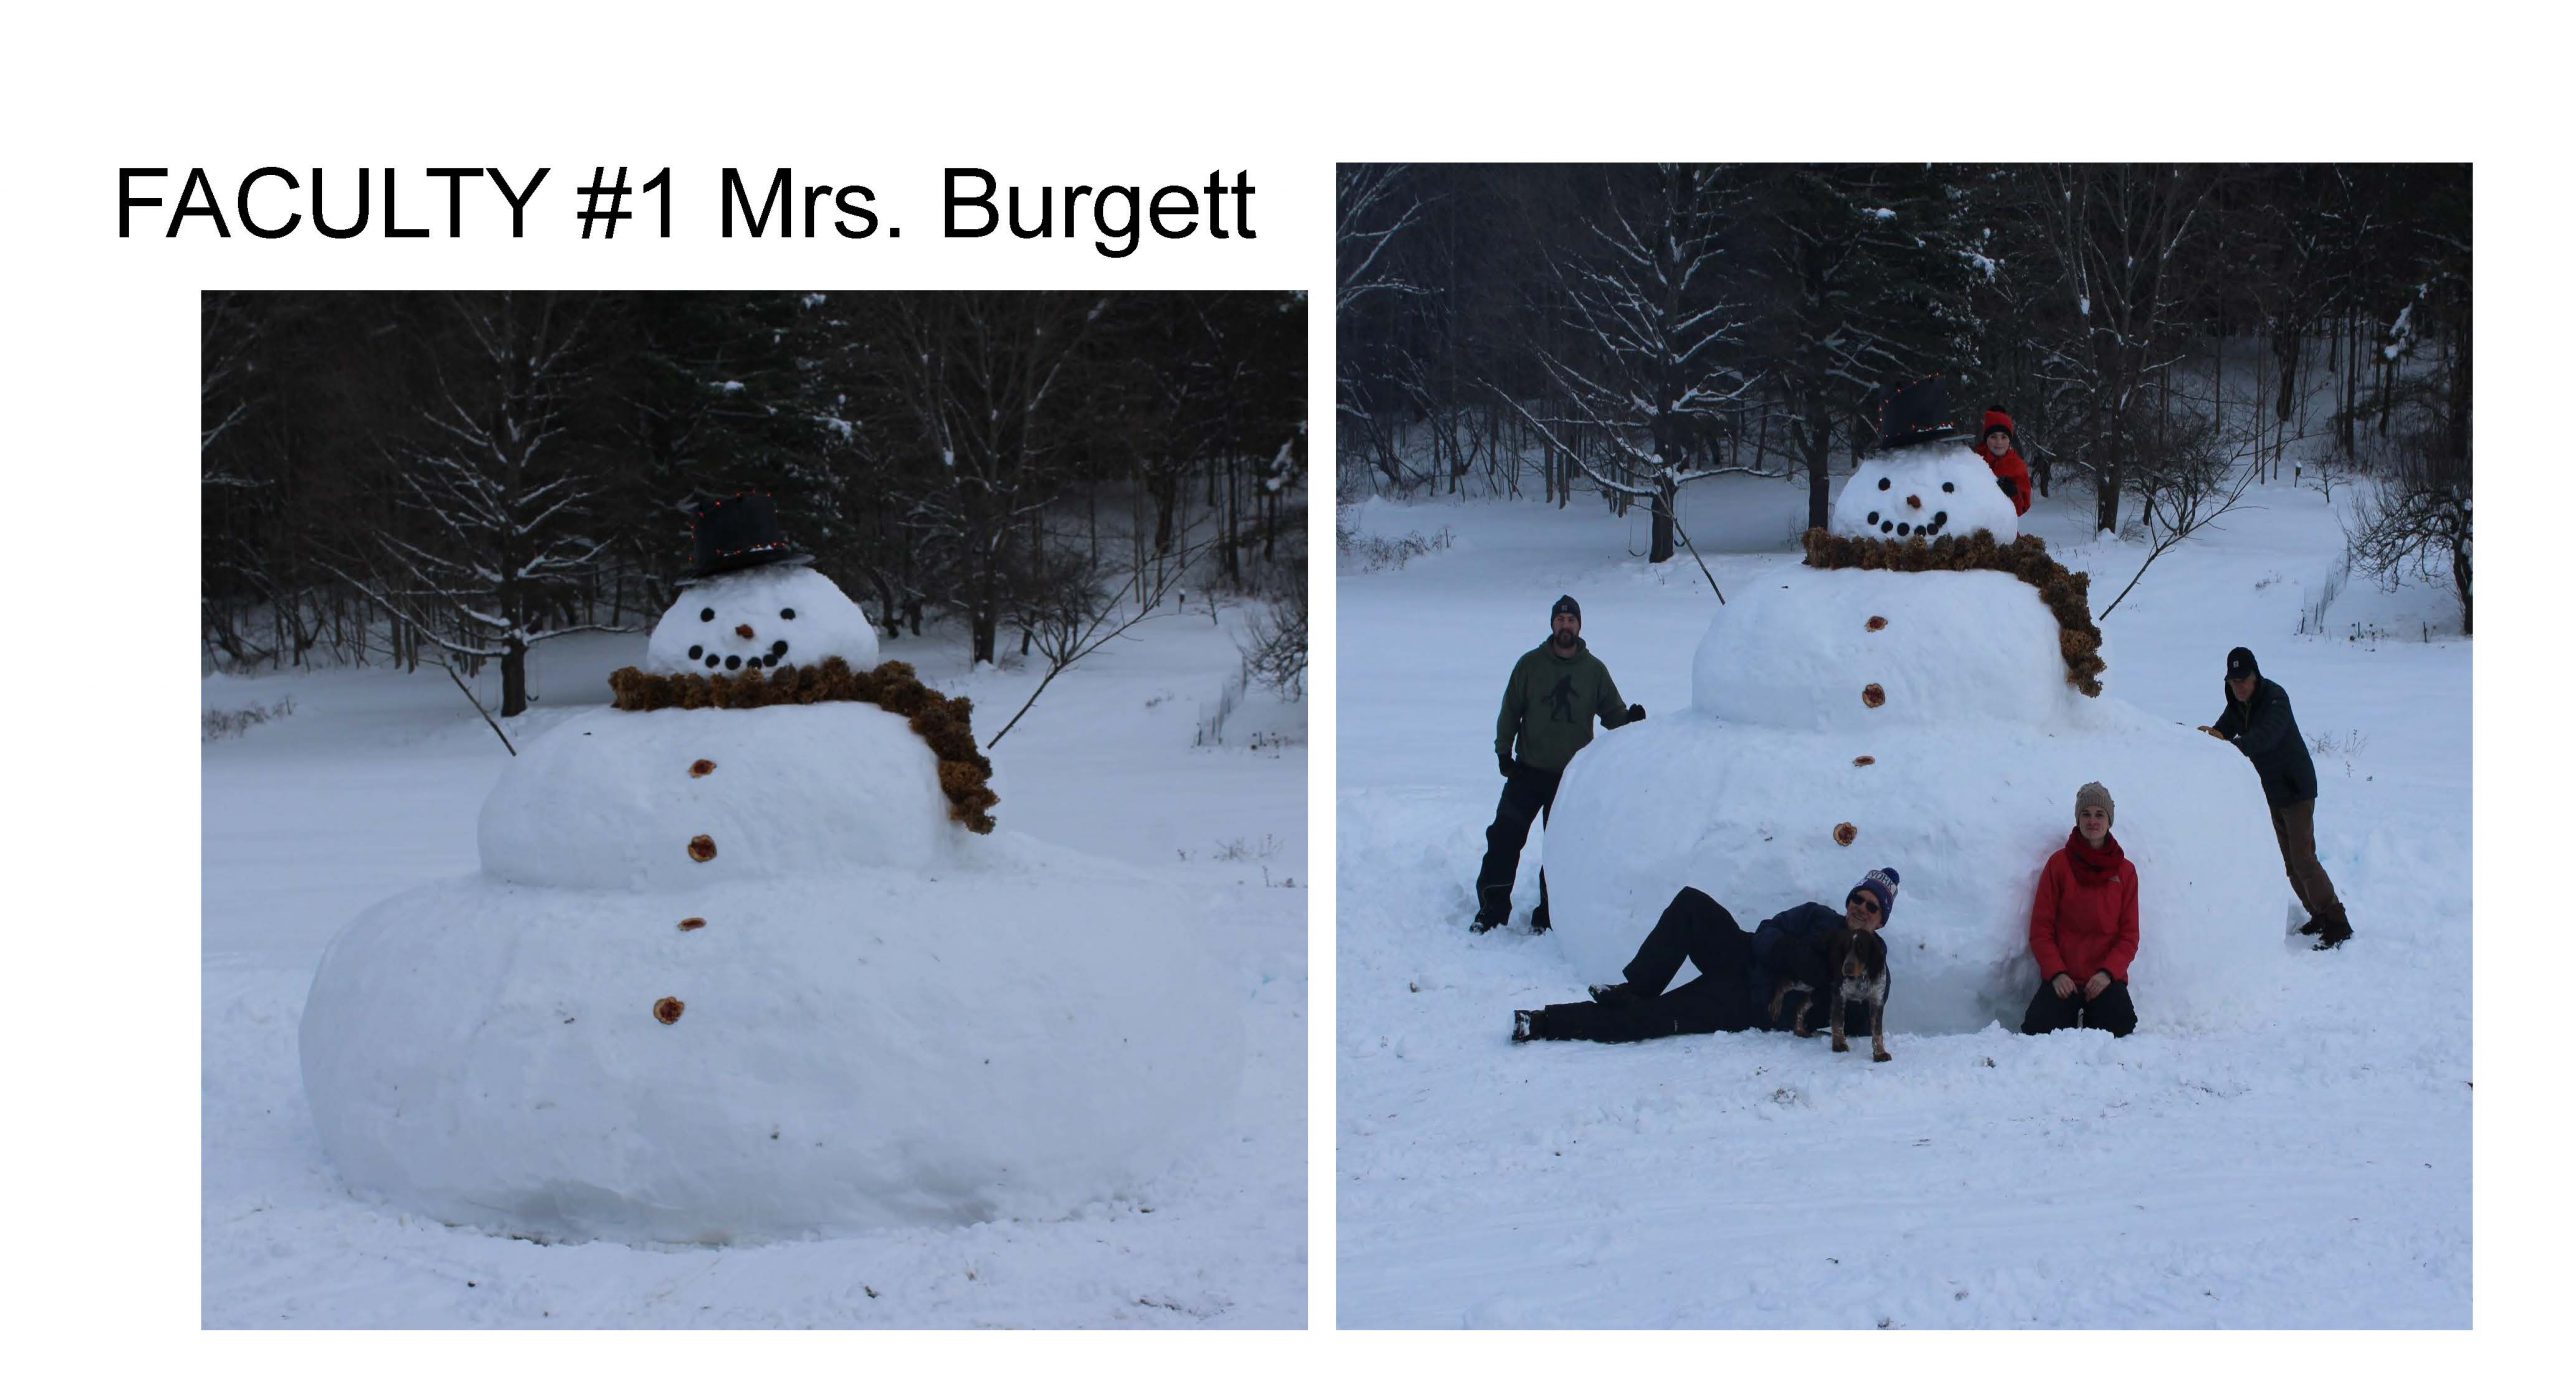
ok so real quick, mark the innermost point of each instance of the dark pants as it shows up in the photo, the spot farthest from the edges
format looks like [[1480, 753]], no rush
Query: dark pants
[[2111, 1009], [1695, 930], [2302, 861], [1526, 797]]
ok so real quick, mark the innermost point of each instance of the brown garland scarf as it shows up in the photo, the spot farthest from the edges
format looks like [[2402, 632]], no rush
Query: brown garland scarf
[[942, 721], [2066, 592]]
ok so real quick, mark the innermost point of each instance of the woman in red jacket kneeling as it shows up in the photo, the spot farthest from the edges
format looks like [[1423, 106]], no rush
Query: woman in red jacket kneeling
[[2086, 926]]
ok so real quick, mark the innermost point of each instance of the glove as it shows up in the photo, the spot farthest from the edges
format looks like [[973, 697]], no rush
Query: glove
[[1635, 713], [1510, 768], [2008, 487]]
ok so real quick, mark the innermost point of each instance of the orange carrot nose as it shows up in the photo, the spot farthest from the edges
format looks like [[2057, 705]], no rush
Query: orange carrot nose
[[749, 632], [1912, 500]]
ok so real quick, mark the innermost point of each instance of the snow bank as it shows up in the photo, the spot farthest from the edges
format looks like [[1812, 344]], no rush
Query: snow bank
[[761, 618], [1939, 488], [1007, 1041], [1973, 756], [610, 801]]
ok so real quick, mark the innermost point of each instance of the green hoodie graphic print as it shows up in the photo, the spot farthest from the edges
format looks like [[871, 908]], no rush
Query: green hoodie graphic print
[[1549, 704]]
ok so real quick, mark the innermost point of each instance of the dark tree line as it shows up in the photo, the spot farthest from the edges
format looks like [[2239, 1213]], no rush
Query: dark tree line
[[459, 476], [1637, 328]]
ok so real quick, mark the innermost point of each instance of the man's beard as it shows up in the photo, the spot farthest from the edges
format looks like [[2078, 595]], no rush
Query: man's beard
[[1568, 643]]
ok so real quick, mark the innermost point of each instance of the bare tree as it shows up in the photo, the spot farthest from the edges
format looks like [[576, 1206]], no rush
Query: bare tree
[[1651, 358], [499, 508], [2189, 476], [2418, 521], [972, 374], [2114, 235]]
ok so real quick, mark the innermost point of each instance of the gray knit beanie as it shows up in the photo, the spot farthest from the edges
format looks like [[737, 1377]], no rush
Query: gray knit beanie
[[2093, 795]]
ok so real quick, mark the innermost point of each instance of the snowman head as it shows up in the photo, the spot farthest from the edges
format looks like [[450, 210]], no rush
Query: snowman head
[[761, 619], [1923, 492]]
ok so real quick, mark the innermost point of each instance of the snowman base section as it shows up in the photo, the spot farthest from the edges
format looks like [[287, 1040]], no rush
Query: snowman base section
[[1000, 1039], [1754, 817]]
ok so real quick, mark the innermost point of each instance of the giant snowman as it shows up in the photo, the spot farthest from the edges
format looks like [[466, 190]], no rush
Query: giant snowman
[[740, 973], [1888, 709]]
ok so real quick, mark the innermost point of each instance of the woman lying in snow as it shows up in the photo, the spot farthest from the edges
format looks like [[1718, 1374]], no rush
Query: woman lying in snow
[[2086, 926], [1739, 974]]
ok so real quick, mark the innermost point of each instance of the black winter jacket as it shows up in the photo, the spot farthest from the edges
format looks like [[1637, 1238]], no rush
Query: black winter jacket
[[1788, 947], [2264, 729]]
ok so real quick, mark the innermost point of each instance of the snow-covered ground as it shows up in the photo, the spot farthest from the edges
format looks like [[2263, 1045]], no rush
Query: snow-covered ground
[[373, 784], [2310, 1169]]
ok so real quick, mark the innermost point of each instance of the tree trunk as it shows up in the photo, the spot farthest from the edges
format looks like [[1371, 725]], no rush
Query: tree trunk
[[1663, 543], [1818, 466], [511, 699]]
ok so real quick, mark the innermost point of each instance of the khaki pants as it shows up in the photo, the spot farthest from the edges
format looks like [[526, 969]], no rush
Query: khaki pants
[[2302, 861]]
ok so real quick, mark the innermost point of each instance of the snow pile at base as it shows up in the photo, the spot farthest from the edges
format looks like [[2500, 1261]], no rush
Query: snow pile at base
[[761, 619], [1938, 488], [1012, 1040], [1961, 777], [611, 801], [732, 975]]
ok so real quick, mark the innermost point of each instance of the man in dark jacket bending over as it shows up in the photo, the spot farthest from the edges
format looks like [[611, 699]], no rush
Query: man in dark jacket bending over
[[1547, 707], [1738, 974], [2257, 718]]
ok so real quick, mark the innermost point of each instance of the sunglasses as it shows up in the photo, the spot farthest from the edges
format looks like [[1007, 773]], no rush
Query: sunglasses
[[1860, 900]]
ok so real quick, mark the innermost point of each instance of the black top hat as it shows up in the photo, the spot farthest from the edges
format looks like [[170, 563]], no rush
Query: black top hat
[[1914, 413], [740, 531]]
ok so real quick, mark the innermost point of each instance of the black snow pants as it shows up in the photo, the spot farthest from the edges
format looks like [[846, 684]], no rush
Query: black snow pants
[[2110, 1009], [1526, 797], [1694, 929]]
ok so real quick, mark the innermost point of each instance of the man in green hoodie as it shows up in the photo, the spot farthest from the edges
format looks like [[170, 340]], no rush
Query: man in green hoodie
[[1547, 708]]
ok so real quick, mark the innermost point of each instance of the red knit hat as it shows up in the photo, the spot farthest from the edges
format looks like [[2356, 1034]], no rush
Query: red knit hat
[[1996, 416]]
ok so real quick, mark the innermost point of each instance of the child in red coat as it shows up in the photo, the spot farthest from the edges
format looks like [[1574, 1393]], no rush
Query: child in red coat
[[1996, 443], [2086, 926]]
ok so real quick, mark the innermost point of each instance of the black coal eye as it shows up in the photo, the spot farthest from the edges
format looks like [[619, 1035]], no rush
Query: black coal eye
[[1949, 487], [788, 614], [1871, 518], [706, 614], [1882, 483], [694, 654]]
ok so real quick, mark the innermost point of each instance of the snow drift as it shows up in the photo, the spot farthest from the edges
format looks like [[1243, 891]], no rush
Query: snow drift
[[1843, 720]]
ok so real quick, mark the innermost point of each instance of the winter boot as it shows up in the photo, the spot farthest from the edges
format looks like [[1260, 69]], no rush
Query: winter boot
[[1527, 1025], [2333, 931], [2313, 928], [1483, 924], [1613, 995]]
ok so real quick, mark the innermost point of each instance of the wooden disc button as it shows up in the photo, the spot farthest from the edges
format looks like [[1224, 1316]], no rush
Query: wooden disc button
[[702, 850], [703, 767], [669, 1009], [1874, 695]]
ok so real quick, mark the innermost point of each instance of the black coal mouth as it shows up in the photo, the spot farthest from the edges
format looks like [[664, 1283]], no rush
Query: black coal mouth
[[770, 659]]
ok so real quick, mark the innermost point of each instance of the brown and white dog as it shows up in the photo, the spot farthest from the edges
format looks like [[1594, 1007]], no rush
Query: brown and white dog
[[1853, 964]]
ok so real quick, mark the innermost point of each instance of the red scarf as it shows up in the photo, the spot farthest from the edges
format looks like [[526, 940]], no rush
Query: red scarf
[[2093, 866]]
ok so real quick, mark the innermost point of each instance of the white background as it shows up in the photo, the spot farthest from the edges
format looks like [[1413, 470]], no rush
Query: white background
[[100, 372]]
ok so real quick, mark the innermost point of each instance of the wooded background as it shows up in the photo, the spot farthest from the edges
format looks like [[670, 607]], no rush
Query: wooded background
[[391, 476], [2157, 330]]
